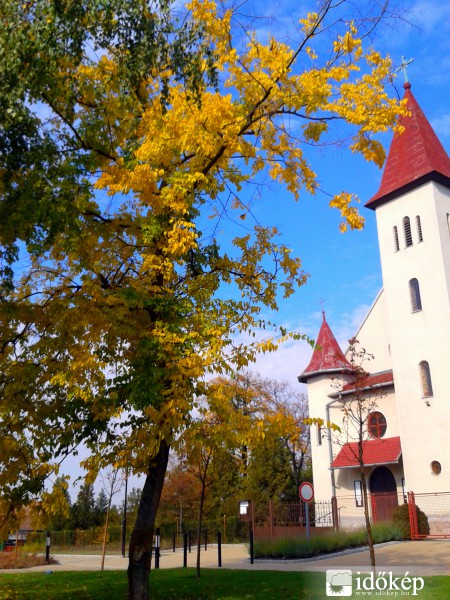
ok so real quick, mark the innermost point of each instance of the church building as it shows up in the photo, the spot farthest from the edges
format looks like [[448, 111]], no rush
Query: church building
[[404, 393]]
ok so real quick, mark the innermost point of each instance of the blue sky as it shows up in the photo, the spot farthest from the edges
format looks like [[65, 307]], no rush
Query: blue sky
[[344, 269]]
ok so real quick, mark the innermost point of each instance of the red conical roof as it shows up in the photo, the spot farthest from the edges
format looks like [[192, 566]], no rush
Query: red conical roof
[[327, 356], [416, 156]]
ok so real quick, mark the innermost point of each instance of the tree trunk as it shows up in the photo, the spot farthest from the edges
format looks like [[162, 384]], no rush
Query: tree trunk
[[199, 526], [367, 518], [105, 536], [140, 551]]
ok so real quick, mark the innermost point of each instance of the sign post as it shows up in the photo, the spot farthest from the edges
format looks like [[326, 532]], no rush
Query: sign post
[[306, 493]]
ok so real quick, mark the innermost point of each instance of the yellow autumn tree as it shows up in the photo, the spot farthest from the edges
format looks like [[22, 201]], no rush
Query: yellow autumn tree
[[127, 139]]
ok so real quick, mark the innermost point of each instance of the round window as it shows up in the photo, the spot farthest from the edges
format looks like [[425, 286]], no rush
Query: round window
[[376, 424], [436, 467]]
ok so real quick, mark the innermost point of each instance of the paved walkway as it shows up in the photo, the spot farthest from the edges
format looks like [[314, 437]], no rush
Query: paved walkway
[[427, 557]]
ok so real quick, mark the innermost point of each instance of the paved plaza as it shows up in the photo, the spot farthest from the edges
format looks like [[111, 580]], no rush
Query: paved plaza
[[426, 557]]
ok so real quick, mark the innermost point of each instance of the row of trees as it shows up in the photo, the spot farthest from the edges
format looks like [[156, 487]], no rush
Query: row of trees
[[86, 511], [268, 462], [255, 445], [132, 267]]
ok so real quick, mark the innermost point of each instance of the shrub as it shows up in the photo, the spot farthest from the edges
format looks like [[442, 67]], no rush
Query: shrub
[[23, 560], [401, 520], [324, 544]]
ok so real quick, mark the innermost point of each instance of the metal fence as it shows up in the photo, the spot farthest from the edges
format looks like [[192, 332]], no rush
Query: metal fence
[[170, 533], [286, 519], [436, 507]]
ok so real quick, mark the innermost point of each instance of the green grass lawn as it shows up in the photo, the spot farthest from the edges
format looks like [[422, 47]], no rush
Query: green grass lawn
[[182, 584]]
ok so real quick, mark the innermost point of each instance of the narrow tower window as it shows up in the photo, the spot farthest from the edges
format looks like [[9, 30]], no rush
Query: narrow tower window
[[319, 434], [396, 244], [425, 376], [414, 290], [407, 230], [357, 485], [419, 229]]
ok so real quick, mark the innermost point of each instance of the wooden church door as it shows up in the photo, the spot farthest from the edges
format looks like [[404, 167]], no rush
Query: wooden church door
[[383, 490]]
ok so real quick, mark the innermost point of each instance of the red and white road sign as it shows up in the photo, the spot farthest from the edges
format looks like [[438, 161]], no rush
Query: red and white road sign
[[306, 492]]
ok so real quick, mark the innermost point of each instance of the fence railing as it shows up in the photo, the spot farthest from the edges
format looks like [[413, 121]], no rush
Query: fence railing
[[230, 528], [436, 507], [282, 518]]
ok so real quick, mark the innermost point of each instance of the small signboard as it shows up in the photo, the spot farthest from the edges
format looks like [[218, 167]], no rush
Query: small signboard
[[245, 510], [243, 507], [306, 492]]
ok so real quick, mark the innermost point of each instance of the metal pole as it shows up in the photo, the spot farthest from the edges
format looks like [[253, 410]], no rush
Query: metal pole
[[219, 548], [307, 520], [47, 547], [174, 540], [253, 515], [157, 544], [224, 529], [185, 547], [124, 519], [251, 547]]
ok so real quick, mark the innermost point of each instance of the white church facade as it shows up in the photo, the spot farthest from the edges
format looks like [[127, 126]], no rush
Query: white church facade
[[406, 391]]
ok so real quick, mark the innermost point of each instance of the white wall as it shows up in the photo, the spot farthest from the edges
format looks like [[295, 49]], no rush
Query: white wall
[[373, 335], [418, 336]]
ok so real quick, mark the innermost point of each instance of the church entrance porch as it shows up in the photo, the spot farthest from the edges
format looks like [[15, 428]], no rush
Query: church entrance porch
[[383, 494]]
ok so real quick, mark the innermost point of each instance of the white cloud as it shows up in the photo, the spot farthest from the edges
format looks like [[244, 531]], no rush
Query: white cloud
[[286, 364], [427, 14], [349, 324]]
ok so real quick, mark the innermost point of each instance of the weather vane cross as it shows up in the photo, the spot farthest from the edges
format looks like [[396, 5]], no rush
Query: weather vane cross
[[403, 66]]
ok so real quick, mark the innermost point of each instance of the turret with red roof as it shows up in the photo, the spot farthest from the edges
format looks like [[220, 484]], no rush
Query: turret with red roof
[[327, 356]]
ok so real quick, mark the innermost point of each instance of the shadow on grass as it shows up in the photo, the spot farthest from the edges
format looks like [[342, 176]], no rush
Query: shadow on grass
[[174, 584], [182, 584]]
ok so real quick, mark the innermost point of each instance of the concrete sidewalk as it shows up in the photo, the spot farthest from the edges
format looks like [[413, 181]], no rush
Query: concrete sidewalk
[[427, 557]]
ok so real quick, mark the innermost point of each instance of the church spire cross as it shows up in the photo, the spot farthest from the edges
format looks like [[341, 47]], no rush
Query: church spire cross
[[403, 66], [322, 302]]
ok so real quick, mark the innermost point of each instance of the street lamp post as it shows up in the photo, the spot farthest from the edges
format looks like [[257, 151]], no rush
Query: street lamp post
[[124, 519]]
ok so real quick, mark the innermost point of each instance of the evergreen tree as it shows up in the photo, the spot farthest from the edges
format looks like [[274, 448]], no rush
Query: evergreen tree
[[101, 506], [133, 500], [83, 510]]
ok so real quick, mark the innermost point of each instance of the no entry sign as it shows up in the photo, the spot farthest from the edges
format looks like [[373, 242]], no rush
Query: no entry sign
[[306, 491]]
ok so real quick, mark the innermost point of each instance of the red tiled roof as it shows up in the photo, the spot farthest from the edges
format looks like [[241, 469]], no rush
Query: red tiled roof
[[327, 356], [416, 156], [375, 452], [371, 381]]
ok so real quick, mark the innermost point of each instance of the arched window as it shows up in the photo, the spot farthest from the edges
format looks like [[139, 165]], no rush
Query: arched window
[[407, 230], [414, 290], [376, 424], [425, 378], [396, 244], [419, 229]]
